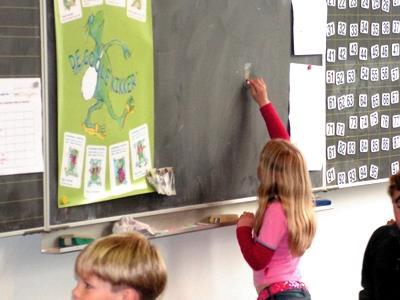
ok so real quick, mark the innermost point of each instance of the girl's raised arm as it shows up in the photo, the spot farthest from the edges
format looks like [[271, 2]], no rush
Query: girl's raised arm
[[274, 124]]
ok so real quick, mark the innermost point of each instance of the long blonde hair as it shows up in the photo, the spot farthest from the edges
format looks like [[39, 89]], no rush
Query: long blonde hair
[[284, 177], [125, 259]]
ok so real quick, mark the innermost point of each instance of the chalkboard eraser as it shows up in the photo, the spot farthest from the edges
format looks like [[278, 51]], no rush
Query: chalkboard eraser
[[77, 241], [223, 219], [70, 240], [322, 202]]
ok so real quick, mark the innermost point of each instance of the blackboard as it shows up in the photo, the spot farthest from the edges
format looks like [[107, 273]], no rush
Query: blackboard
[[21, 201], [363, 109], [207, 128]]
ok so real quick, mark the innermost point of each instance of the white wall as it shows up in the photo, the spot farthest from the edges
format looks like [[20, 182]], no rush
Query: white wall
[[208, 264]]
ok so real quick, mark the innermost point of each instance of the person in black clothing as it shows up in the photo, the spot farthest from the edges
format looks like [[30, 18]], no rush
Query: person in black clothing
[[381, 265]]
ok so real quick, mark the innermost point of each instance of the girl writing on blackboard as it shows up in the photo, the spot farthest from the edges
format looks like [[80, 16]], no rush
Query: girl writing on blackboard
[[273, 241]]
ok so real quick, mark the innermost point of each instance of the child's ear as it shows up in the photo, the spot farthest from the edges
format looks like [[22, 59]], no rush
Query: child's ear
[[130, 294]]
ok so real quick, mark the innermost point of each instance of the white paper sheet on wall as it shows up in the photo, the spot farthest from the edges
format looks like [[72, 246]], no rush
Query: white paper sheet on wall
[[20, 126], [307, 112], [309, 26]]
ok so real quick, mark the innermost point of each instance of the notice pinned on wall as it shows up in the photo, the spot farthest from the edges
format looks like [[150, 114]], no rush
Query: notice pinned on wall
[[309, 23], [307, 111], [20, 126]]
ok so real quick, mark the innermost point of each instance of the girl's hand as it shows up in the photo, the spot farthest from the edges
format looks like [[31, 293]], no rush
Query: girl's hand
[[391, 222], [258, 90], [246, 219]]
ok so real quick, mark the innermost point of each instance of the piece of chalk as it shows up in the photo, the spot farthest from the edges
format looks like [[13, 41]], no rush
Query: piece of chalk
[[246, 70], [65, 240]]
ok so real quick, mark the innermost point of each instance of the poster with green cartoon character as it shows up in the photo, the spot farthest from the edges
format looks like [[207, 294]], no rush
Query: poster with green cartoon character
[[105, 85]]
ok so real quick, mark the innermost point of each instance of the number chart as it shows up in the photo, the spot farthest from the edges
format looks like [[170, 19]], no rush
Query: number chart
[[362, 90]]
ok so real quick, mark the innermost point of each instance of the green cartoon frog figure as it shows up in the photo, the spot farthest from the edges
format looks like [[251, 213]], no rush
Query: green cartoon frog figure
[[69, 3], [119, 171], [141, 157], [99, 82], [94, 172], [137, 4], [70, 169]]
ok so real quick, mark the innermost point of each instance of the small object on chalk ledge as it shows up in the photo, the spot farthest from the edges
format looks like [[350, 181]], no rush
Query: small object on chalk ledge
[[322, 202], [71, 240], [223, 219], [65, 240], [129, 224]]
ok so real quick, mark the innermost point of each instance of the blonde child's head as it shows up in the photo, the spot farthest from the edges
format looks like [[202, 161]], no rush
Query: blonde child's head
[[126, 264], [284, 177]]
